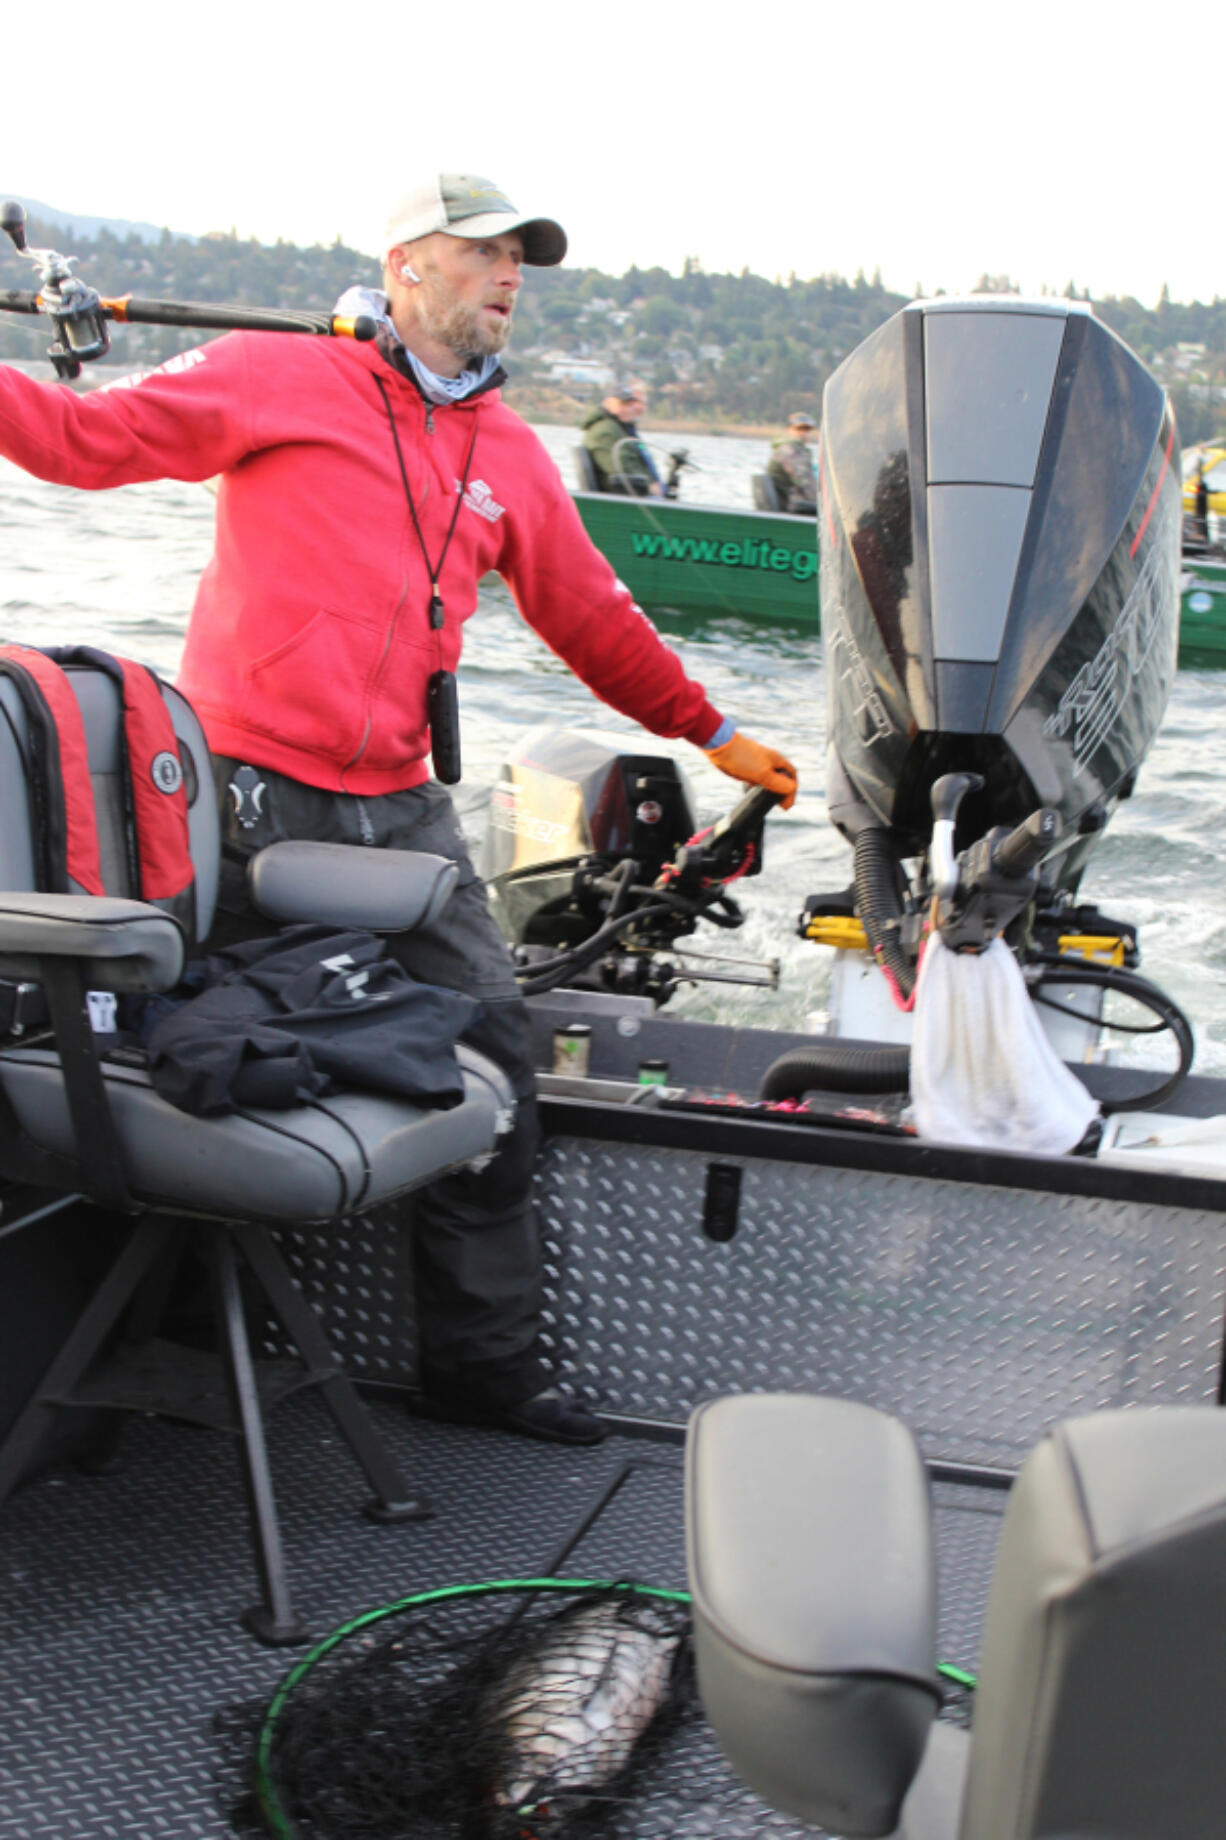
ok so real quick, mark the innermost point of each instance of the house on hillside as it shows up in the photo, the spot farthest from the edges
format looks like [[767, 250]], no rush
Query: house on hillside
[[594, 373]]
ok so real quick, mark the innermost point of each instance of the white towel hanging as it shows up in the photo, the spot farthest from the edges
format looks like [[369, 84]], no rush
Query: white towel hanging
[[983, 1071]]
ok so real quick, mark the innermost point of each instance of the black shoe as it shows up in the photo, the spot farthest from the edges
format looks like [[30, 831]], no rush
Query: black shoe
[[550, 1416], [553, 1416]]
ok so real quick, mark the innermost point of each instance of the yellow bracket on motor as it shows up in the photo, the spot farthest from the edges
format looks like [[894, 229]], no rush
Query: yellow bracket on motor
[[843, 931], [1106, 948], [846, 934]]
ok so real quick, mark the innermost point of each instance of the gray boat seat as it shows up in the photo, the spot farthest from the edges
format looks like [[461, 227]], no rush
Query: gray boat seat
[[79, 1122], [302, 1167], [810, 1557], [1103, 1674], [765, 492], [585, 471], [349, 1152]]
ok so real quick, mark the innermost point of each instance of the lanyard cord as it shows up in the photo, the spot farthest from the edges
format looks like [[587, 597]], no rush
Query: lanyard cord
[[436, 600]]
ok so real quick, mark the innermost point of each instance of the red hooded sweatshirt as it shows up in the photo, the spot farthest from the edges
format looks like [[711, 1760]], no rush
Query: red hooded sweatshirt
[[310, 646]]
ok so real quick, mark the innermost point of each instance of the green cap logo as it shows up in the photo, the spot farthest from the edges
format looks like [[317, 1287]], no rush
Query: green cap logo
[[464, 196]]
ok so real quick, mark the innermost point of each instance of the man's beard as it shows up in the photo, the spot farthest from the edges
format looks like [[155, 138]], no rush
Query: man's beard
[[461, 328]]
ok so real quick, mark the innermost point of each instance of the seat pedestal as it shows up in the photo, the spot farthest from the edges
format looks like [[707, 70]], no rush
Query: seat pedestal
[[148, 1375]]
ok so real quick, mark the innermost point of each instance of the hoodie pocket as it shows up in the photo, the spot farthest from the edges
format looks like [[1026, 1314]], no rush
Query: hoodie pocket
[[398, 730], [310, 691]]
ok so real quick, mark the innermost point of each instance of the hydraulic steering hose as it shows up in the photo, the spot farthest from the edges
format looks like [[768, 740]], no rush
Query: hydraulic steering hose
[[836, 1067], [545, 975], [831, 1066], [1058, 970]]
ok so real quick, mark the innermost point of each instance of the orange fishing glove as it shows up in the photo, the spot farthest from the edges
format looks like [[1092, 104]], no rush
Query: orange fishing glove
[[745, 759]]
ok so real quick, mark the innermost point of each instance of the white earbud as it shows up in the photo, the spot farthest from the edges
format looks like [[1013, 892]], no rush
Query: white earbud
[[408, 274]]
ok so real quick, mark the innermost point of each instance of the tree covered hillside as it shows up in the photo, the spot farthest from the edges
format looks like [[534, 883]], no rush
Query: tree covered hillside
[[718, 349]]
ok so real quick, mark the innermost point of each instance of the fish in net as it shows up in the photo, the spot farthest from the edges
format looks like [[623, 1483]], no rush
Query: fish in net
[[486, 1712], [468, 1718], [564, 1721]]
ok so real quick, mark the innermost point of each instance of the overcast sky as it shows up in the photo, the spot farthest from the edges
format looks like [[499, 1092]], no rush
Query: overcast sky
[[933, 140]]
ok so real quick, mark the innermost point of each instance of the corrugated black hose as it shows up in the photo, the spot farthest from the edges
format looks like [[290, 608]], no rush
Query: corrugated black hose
[[875, 877], [832, 1066]]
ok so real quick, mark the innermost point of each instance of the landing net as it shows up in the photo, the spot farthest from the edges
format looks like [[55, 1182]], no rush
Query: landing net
[[488, 1712], [523, 1709]]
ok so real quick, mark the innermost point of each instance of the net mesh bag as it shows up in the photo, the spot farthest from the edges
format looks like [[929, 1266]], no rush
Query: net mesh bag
[[474, 1716], [522, 1710]]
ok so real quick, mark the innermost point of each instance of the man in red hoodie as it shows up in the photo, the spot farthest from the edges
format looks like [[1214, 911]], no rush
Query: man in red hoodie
[[364, 490]]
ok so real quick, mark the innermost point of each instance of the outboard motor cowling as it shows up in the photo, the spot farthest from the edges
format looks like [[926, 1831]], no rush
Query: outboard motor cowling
[[571, 796], [999, 527]]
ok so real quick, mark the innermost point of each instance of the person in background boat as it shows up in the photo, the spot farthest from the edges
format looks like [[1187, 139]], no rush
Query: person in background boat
[[364, 491], [790, 468], [611, 437]]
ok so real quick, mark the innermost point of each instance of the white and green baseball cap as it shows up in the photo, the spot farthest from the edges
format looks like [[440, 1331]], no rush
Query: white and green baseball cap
[[463, 205]]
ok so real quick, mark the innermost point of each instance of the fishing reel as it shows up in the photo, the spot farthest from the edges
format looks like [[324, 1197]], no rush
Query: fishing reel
[[677, 463], [979, 892], [74, 308]]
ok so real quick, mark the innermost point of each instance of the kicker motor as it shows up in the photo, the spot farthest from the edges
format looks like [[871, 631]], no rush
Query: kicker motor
[[598, 872]]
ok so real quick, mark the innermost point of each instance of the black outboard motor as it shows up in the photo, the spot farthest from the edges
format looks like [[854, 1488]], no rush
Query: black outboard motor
[[1000, 527], [999, 580], [1000, 568]]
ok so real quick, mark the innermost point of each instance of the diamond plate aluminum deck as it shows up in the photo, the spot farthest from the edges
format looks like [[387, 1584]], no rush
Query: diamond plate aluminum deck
[[980, 1315], [120, 1597]]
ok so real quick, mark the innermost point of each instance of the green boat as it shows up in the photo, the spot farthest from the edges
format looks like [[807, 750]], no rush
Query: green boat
[[1202, 624], [707, 560], [712, 561]]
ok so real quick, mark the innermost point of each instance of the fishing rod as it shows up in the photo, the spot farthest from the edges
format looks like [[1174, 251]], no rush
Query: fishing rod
[[80, 314]]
